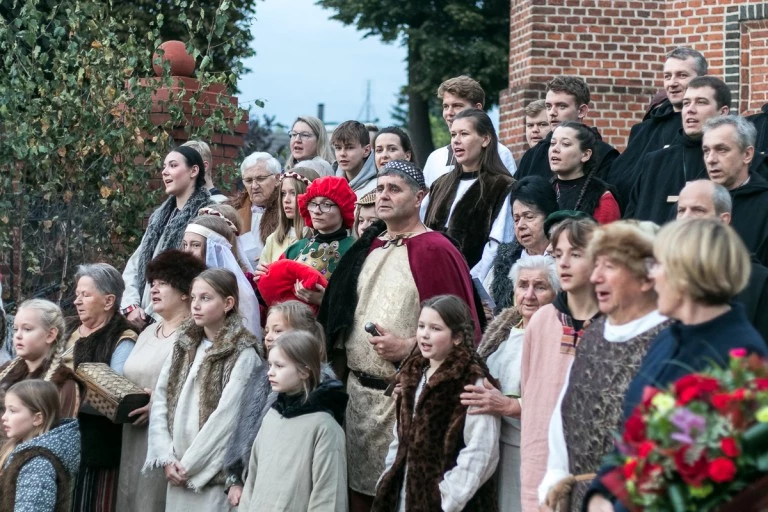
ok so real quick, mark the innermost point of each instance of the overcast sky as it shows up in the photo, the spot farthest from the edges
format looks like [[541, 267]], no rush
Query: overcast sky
[[304, 58]]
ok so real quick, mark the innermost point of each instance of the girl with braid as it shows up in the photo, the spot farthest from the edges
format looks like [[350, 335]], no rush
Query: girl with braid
[[38, 331], [577, 188]]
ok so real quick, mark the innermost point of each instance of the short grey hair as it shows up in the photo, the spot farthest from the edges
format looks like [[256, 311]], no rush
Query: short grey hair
[[685, 53], [721, 199], [271, 163], [545, 263], [106, 278], [746, 133]]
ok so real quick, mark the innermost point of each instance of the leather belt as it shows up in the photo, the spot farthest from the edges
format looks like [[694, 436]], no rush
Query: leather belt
[[369, 381]]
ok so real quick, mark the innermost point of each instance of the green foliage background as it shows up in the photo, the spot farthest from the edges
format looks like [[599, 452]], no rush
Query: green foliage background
[[77, 148]]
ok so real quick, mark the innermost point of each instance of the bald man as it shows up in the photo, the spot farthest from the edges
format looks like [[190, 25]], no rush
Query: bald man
[[704, 198]]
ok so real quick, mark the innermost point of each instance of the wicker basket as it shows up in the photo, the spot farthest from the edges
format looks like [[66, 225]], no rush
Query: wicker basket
[[111, 394]]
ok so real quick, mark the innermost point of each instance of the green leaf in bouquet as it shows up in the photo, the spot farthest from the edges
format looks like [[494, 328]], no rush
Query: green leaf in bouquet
[[762, 462], [677, 497], [755, 439]]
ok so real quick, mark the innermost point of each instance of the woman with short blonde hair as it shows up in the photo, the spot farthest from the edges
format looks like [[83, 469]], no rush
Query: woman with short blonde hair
[[699, 267]]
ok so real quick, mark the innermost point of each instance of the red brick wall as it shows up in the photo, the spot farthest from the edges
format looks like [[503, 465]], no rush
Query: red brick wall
[[618, 47]]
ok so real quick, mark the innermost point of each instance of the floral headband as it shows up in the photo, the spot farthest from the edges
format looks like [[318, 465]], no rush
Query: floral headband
[[214, 213], [295, 176]]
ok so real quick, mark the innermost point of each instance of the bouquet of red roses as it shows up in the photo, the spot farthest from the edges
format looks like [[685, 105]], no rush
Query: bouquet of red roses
[[699, 445]]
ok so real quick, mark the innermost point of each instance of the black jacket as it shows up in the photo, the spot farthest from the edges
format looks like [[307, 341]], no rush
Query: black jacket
[[755, 298], [535, 161], [761, 123], [750, 215], [662, 176], [660, 129]]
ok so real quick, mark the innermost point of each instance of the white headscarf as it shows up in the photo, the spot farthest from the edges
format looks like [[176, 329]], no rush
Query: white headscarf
[[218, 254]]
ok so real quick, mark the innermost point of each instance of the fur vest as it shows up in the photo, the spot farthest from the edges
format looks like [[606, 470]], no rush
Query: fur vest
[[16, 370], [269, 220], [216, 368], [430, 441], [9, 478], [167, 225], [98, 346], [474, 214], [502, 288], [498, 332], [101, 439]]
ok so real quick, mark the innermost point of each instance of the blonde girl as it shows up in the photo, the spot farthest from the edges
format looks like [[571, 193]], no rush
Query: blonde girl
[[42, 452], [197, 394], [281, 318], [38, 337], [290, 226], [298, 460]]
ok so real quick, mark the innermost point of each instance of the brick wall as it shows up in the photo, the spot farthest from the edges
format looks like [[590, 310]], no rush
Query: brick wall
[[618, 47]]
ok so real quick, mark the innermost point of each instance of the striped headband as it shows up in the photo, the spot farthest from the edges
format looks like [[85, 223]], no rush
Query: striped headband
[[296, 176], [214, 213]]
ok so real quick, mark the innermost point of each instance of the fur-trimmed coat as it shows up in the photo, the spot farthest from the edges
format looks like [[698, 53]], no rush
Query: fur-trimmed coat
[[212, 381], [498, 331], [430, 436], [36, 477], [71, 389], [474, 214]]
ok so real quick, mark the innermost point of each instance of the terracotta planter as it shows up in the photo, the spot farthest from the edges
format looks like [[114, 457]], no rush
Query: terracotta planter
[[182, 63]]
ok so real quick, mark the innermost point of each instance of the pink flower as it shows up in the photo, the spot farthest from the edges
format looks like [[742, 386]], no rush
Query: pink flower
[[738, 353]]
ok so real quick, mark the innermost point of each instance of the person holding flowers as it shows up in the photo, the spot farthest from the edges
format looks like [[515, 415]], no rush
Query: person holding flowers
[[699, 266]]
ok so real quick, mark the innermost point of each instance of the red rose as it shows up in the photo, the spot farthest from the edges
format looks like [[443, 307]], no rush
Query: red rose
[[695, 473], [761, 384], [730, 447], [739, 394], [693, 386], [645, 448], [634, 430], [721, 401], [629, 468], [722, 470]]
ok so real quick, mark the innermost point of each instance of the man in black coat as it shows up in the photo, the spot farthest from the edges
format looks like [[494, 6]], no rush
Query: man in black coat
[[729, 147], [567, 100], [704, 198], [661, 125], [665, 172]]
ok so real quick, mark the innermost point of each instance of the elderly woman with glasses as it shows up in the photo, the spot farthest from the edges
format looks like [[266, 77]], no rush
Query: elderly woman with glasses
[[328, 209], [309, 141], [588, 410]]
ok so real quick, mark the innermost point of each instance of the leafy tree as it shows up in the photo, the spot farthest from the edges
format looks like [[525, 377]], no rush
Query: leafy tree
[[225, 39], [444, 38], [79, 147]]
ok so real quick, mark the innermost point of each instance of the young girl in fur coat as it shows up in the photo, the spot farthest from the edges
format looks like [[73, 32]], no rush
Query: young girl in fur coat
[[196, 400], [298, 461], [444, 453]]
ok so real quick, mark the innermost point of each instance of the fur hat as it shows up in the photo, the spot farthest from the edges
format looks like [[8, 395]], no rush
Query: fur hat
[[176, 268], [337, 190]]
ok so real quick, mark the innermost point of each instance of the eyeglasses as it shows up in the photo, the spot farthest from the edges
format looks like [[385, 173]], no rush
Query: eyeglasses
[[301, 135], [258, 179], [322, 207], [651, 264]]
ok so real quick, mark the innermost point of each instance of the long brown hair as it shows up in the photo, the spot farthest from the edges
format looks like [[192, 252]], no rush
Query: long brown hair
[[284, 224], [456, 315], [38, 396], [490, 161]]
